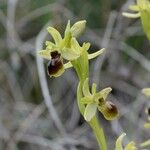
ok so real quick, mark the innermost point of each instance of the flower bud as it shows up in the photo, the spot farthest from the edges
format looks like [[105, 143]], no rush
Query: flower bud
[[109, 110], [78, 28], [55, 66]]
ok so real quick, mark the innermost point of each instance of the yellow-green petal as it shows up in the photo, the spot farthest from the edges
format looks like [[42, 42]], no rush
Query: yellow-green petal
[[94, 88], [93, 55], [86, 46], [134, 7], [131, 15], [90, 111], [78, 28], [67, 28], [75, 45], [55, 34], [86, 100], [49, 43], [69, 54], [104, 93], [68, 65], [45, 54]]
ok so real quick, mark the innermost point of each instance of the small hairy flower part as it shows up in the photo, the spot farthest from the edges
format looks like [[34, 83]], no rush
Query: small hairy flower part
[[55, 65], [109, 110]]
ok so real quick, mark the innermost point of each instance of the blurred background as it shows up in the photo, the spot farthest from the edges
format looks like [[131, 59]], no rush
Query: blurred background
[[40, 113]]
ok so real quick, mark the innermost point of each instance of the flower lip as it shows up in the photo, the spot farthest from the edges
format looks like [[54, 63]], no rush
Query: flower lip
[[55, 54], [111, 107], [55, 65], [110, 112], [148, 111]]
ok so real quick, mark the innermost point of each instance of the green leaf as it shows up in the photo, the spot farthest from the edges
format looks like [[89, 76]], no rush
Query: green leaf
[[90, 111]]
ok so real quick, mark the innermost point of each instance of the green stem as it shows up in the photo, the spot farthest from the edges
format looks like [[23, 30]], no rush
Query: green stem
[[81, 66], [94, 123], [99, 133]]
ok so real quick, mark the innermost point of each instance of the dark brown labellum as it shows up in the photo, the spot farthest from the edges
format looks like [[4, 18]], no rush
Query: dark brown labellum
[[148, 111], [55, 54], [111, 107], [55, 64], [110, 112]]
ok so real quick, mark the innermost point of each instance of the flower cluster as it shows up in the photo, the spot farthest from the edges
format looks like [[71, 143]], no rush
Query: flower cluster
[[66, 48], [142, 9], [97, 100]]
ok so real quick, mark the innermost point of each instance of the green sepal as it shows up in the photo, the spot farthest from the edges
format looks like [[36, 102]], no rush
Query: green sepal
[[78, 28], [55, 34], [90, 111]]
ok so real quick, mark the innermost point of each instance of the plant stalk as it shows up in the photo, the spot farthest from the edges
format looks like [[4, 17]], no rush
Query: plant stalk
[[94, 123]]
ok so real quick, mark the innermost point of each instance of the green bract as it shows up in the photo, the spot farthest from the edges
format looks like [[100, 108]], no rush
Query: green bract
[[143, 11]]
